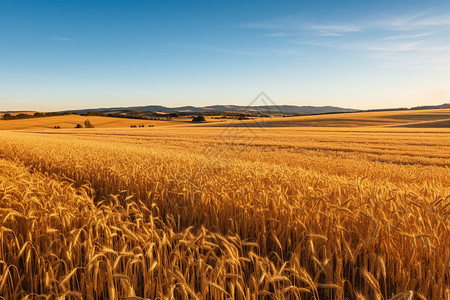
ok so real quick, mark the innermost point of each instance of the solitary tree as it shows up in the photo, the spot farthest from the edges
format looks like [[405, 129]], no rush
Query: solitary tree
[[199, 118]]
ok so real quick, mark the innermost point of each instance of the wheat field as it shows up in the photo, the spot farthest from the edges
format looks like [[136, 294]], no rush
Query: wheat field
[[207, 212]]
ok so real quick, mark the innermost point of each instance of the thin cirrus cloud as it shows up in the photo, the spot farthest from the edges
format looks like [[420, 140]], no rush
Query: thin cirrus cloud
[[290, 26], [412, 40], [335, 29], [276, 34], [408, 36], [410, 22], [434, 21], [365, 45]]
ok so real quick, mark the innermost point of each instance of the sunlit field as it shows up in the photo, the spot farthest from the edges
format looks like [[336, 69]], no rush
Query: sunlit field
[[350, 206], [70, 121]]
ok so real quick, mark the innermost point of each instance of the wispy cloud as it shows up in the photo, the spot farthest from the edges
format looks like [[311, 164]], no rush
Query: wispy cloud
[[433, 21], [414, 39], [335, 29], [288, 26], [406, 22], [393, 47], [364, 45], [402, 22], [408, 36], [424, 21], [276, 34]]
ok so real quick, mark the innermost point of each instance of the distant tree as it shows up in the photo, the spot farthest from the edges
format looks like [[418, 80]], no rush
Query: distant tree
[[38, 115], [88, 124], [22, 116], [96, 113], [7, 117], [79, 126], [199, 118]]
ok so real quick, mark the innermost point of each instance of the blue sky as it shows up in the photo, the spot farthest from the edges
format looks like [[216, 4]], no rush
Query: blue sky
[[58, 55]]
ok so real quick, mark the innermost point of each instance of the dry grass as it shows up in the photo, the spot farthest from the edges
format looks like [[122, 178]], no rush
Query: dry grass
[[320, 213]]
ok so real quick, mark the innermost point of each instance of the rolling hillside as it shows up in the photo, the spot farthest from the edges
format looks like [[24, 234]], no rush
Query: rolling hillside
[[274, 109], [433, 118], [70, 121]]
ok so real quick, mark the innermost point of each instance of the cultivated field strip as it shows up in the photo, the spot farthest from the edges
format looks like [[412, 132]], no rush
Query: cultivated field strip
[[314, 150], [408, 147], [307, 224]]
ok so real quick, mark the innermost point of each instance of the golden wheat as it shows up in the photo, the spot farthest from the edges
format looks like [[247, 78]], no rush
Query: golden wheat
[[105, 214]]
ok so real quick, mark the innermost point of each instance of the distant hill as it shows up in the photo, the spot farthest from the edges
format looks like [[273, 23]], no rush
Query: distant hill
[[445, 105], [270, 109], [238, 109]]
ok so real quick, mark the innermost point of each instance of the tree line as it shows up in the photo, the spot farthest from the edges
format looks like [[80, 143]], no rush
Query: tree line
[[9, 116]]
